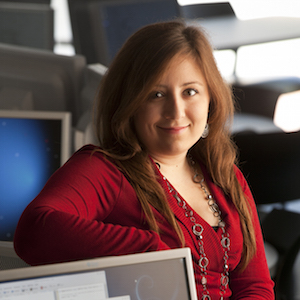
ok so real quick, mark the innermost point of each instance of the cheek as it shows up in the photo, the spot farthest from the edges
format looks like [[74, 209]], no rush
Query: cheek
[[146, 116], [199, 113], [141, 122], [139, 119]]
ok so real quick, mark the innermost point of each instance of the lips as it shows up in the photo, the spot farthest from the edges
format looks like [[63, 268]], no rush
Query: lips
[[173, 129]]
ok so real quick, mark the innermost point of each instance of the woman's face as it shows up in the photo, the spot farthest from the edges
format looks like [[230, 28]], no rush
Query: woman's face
[[173, 118]]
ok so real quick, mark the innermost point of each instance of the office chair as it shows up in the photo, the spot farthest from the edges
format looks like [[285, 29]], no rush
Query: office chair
[[281, 229], [207, 10], [287, 284], [84, 130], [271, 165], [36, 79], [260, 98]]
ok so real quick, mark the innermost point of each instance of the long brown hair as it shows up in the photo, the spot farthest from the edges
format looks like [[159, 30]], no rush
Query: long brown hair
[[123, 90]]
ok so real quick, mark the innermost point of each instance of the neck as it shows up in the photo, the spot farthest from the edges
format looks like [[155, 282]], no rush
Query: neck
[[169, 165]]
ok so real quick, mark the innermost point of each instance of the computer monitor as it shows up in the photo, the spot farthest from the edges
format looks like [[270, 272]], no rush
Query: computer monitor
[[164, 275], [34, 79], [33, 145], [100, 27], [27, 24], [29, 1]]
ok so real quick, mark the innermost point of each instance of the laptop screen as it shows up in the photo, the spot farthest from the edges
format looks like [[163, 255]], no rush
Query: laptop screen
[[33, 145], [164, 275]]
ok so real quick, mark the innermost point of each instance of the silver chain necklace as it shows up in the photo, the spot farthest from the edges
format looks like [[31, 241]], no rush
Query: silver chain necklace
[[198, 229]]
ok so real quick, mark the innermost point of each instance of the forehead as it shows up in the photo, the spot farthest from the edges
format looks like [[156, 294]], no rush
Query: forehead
[[181, 67]]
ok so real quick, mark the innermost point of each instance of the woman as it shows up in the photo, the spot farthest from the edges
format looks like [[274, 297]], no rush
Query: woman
[[164, 177]]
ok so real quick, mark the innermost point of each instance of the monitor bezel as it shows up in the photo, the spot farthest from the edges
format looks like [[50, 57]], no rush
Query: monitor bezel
[[106, 262], [66, 129]]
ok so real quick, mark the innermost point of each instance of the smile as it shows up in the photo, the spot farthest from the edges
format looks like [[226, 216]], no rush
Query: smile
[[174, 129]]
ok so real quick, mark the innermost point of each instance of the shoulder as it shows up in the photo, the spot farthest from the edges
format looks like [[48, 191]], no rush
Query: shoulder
[[90, 162], [240, 177], [88, 151], [245, 187], [90, 155], [238, 173]]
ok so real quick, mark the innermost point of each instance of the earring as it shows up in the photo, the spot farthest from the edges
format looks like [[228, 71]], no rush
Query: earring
[[205, 132]]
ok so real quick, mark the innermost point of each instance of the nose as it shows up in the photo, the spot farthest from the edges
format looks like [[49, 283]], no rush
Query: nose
[[174, 107]]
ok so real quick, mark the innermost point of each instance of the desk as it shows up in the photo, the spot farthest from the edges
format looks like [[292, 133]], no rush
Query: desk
[[232, 33], [8, 257], [244, 122], [272, 258], [11, 260]]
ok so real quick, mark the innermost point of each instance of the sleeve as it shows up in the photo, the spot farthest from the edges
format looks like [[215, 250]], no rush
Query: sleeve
[[67, 220], [255, 281]]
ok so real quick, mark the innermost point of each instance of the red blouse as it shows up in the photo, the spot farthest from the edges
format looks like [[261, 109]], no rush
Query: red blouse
[[88, 209]]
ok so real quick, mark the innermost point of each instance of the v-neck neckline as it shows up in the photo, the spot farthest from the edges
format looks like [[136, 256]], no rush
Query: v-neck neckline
[[177, 209]]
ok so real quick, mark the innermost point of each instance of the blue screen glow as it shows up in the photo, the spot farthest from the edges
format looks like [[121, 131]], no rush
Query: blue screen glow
[[29, 154]]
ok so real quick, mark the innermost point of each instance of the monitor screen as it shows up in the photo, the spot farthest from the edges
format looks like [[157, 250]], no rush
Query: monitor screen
[[33, 145], [111, 22], [155, 275]]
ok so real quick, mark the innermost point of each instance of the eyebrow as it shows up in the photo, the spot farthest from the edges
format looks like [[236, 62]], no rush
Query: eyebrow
[[184, 84], [193, 82]]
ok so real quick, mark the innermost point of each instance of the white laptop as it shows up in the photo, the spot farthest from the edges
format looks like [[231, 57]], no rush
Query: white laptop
[[163, 275]]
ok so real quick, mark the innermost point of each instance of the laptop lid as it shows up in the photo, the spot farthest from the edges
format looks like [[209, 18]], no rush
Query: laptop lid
[[33, 145], [154, 275]]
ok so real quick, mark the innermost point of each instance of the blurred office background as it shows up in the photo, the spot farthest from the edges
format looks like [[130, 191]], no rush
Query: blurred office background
[[251, 63], [254, 62], [265, 78], [266, 82]]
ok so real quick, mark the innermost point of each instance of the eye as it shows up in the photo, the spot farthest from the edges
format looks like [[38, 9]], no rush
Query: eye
[[156, 95], [190, 92]]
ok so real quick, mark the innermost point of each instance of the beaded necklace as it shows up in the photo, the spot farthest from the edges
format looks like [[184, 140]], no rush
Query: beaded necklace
[[198, 229]]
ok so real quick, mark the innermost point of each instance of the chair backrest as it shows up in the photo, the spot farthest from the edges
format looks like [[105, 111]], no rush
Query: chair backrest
[[207, 10], [84, 129], [261, 98], [287, 281], [49, 81], [271, 164], [281, 230]]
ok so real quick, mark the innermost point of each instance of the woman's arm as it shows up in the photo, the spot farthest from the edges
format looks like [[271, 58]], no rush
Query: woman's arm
[[87, 209]]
